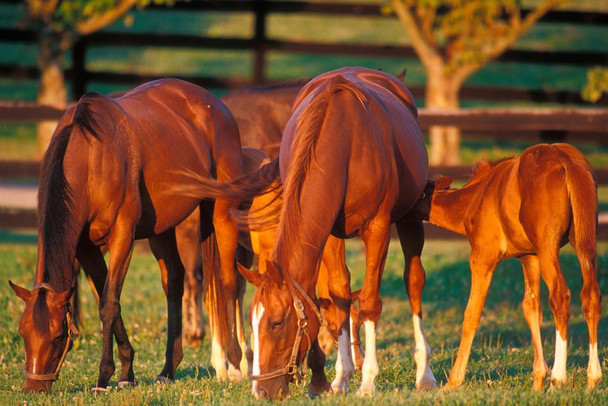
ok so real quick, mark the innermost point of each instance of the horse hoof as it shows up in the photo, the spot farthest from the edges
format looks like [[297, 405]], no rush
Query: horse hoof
[[98, 389], [427, 385], [126, 384], [162, 380]]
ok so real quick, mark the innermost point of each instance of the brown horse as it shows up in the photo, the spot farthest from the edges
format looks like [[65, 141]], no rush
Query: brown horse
[[261, 113], [267, 205], [352, 161], [105, 181], [527, 208]]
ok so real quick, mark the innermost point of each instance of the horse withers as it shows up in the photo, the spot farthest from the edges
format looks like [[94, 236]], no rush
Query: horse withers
[[352, 161], [527, 208], [106, 180]]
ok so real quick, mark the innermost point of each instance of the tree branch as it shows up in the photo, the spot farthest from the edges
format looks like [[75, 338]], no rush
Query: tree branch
[[97, 22], [426, 51]]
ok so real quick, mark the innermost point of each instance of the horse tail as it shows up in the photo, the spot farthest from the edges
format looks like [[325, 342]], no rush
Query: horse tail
[[582, 191], [213, 294], [243, 188]]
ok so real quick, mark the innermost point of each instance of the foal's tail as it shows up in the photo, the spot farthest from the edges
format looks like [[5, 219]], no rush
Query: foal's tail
[[243, 188], [582, 191]]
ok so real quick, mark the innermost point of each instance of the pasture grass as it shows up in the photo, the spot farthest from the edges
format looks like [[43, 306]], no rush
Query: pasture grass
[[499, 370]]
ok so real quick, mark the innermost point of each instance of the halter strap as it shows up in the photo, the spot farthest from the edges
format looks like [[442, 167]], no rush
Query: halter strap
[[72, 333], [292, 367]]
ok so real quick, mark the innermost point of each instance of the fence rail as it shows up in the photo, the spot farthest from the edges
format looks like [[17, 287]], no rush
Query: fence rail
[[260, 45]]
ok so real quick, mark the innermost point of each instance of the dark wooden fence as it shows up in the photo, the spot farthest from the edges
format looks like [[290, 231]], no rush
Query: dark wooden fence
[[259, 45]]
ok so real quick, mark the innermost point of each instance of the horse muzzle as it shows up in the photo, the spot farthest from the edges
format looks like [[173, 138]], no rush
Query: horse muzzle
[[37, 386]]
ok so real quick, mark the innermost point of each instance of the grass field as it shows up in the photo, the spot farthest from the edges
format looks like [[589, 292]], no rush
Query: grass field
[[499, 370]]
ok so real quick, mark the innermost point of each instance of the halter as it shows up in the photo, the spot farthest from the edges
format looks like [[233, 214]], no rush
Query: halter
[[292, 367], [72, 333]]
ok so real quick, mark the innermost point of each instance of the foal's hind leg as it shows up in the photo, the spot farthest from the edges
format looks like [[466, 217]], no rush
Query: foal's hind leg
[[591, 300], [533, 315], [94, 265], [164, 248], [411, 236]]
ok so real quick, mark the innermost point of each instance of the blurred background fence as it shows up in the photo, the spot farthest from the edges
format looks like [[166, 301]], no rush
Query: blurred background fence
[[557, 115]]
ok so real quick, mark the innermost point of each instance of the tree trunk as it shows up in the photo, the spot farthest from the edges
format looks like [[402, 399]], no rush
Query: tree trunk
[[442, 92], [52, 90]]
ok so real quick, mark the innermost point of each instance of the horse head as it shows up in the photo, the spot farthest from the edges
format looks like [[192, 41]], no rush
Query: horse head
[[48, 331], [284, 320], [422, 208]]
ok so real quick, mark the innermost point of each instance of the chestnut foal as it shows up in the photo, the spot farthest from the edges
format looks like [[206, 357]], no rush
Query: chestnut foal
[[527, 208]]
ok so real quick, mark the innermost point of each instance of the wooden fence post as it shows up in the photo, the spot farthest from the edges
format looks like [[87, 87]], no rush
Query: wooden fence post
[[259, 38]]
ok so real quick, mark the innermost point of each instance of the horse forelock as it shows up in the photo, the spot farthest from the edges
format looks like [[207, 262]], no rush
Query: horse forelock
[[41, 312], [484, 166]]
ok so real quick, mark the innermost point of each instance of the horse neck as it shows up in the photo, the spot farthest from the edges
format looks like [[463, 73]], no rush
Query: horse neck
[[448, 207]]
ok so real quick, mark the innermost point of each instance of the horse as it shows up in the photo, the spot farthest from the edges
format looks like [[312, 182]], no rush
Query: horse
[[266, 206], [106, 180], [261, 113], [527, 208], [352, 161]]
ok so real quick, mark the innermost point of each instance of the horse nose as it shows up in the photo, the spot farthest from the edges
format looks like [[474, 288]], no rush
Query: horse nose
[[33, 386]]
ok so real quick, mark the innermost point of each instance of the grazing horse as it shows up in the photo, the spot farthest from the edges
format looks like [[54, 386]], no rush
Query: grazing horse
[[527, 208], [106, 180], [267, 205], [352, 161]]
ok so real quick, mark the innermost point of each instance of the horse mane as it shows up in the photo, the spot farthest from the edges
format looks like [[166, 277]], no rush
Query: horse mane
[[41, 312], [484, 166], [55, 203], [310, 121]]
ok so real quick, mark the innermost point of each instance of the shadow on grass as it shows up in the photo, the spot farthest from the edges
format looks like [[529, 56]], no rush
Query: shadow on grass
[[195, 372]]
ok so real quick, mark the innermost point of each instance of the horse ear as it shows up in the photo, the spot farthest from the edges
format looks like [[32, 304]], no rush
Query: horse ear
[[62, 298], [443, 182], [273, 271], [252, 277], [22, 293]]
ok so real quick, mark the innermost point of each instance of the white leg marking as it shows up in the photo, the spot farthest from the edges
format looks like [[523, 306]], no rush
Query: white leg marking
[[344, 364], [422, 355], [594, 371], [218, 359], [258, 311], [370, 363], [558, 373]]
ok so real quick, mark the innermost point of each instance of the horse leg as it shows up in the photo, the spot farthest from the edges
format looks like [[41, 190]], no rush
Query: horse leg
[[245, 257], [188, 238], [164, 248], [411, 237], [316, 362], [376, 238], [533, 315], [338, 283], [559, 301], [121, 249], [591, 299], [94, 265], [482, 268]]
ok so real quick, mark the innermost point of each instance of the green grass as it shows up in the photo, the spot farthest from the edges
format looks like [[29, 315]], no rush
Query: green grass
[[499, 370]]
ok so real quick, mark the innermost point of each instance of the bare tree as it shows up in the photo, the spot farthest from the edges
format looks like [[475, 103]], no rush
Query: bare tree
[[455, 38]]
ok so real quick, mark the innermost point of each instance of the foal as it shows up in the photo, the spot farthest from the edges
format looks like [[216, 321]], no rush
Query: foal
[[527, 208]]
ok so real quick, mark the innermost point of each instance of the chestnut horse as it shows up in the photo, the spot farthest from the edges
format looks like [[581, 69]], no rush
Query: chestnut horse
[[352, 161], [267, 206], [105, 181], [527, 208]]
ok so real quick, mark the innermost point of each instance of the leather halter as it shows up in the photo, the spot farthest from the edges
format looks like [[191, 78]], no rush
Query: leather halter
[[292, 367], [72, 333]]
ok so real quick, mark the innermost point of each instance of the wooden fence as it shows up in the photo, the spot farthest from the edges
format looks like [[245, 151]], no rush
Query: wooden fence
[[259, 45]]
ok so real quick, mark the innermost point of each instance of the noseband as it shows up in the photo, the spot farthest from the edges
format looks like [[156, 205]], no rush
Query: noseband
[[72, 333], [292, 367]]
